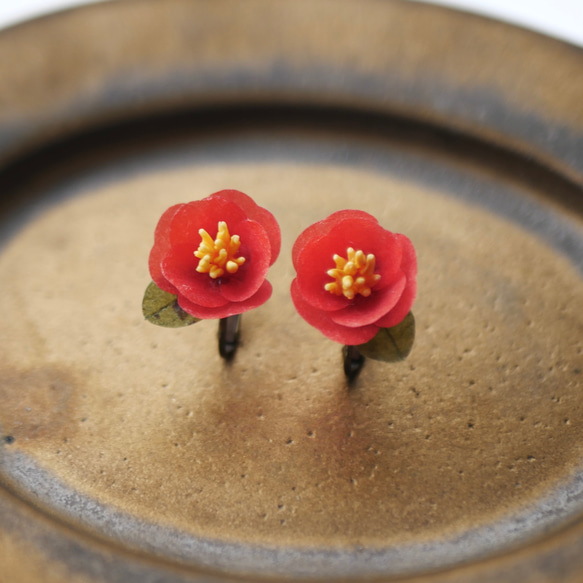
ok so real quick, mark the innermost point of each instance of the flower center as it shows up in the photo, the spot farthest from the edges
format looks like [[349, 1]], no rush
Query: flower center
[[219, 255], [354, 275]]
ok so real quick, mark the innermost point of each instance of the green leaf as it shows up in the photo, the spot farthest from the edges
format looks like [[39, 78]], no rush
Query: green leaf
[[161, 308], [391, 344]]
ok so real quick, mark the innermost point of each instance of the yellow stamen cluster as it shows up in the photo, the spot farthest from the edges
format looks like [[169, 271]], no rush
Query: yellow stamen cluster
[[354, 275], [218, 256]]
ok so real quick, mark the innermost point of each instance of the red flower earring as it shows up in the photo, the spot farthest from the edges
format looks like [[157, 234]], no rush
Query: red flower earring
[[210, 260], [356, 283]]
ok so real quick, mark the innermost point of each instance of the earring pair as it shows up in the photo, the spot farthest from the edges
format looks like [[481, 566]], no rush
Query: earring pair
[[355, 281]]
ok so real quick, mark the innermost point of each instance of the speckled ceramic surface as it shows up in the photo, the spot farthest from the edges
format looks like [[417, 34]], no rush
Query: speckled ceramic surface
[[134, 453]]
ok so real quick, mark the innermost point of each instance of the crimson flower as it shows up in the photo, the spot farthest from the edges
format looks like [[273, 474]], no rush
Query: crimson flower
[[353, 277], [213, 254]]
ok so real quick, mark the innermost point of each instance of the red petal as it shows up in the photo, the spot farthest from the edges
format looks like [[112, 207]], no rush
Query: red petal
[[363, 311], [231, 308], [179, 264], [258, 214], [405, 303], [179, 268], [203, 214], [403, 307], [322, 228], [388, 258], [409, 260], [315, 258], [173, 264], [322, 321], [353, 321], [255, 248], [161, 248]]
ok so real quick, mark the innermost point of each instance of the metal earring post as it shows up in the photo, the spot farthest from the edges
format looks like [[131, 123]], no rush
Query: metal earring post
[[229, 336], [353, 362]]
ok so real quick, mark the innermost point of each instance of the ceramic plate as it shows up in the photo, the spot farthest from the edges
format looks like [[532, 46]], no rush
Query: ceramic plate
[[129, 452]]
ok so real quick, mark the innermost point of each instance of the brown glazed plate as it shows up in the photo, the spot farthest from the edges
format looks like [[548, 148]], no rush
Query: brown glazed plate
[[130, 452]]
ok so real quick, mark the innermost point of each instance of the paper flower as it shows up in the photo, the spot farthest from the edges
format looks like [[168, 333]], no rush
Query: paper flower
[[214, 253], [353, 277]]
